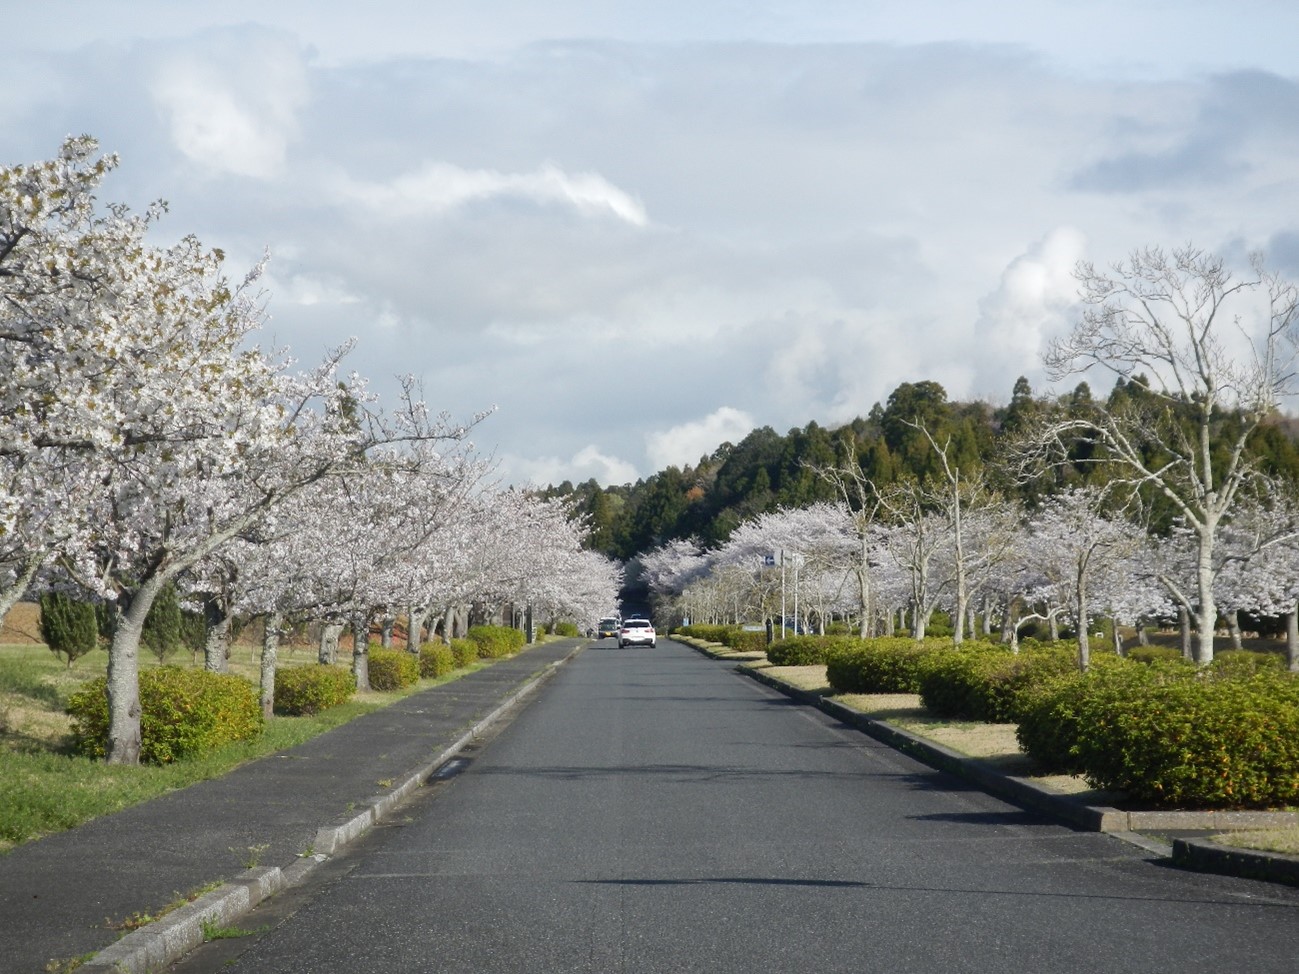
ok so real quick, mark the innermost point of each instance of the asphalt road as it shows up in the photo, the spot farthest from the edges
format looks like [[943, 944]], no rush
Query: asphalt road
[[651, 811]]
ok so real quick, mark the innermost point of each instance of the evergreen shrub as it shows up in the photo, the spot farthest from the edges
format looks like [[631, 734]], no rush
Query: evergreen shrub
[[1205, 741], [393, 669], [885, 664], [746, 641], [1149, 654], [806, 650], [708, 633], [496, 642], [184, 714], [436, 659], [568, 630], [301, 690], [465, 652], [68, 626], [162, 633], [980, 681]]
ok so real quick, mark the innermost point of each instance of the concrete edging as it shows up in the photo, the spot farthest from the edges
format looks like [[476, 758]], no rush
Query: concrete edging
[[1093, 818], [166, 940]]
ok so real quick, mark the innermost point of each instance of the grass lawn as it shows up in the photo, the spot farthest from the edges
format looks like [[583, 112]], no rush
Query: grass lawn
[[44, 789]]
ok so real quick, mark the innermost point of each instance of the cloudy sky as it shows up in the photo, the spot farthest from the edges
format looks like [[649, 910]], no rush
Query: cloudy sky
[[643, 227]]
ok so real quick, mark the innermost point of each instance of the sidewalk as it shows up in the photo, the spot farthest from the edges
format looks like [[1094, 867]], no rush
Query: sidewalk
[[60, 896]]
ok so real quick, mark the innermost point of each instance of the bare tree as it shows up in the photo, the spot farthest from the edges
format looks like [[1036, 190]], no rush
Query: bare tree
[[1209, 356]]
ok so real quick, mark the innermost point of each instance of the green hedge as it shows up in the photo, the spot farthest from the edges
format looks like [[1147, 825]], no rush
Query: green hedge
[[1170, 734], [568, 630], [982, 681], [496, 642], [301, 690], [710, 633], [884, 664], [393, 669], [183, 714], [807, 650], [436, 659], [465, 652]]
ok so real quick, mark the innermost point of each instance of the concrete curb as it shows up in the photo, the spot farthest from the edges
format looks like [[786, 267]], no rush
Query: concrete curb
[[1210, 857], [166, 940], [1093, 818]]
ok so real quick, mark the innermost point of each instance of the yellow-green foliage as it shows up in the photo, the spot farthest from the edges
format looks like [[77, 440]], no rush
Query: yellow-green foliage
[[496, 642], [184, 714], [1172, 734], [709, 634], [436, 659], [884, 664], [465, 652], [568, 630], [982, 681], [806, 650], [301, 690], [393, 669]]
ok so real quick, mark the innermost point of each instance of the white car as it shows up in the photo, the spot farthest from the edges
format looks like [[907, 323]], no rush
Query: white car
[[638, 631]]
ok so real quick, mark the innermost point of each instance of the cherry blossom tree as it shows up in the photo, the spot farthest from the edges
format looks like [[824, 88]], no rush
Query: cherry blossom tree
[[1210, 356], [140, 362], [1079, 549]]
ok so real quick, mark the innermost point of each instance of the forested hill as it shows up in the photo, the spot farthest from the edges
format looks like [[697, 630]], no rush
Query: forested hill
[[767, 470]]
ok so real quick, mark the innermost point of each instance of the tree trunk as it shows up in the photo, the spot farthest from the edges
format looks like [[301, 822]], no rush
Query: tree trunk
[[361, 650], [1184, 624], [1084, 637], [415, 619], [270, 654], [216, 645], [1207, 616], [1233, 629], [1054, 622], [124, 674], [1292, 639], [1118, 637], [329, 635], [12, 594], [1143, 637], [386, 625]]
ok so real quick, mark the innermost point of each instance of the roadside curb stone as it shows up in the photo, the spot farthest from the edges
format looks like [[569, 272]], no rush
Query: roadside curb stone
[[1196, 854], [154, 946]]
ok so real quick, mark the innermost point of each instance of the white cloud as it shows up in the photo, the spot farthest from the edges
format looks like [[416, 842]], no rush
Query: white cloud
[[584, 465], [1032, 304], [231, 100], [686, 443], [440, 186]]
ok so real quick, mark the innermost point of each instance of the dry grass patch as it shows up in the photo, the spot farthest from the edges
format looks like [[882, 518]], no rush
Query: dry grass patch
[[1264, 840], [803, 677]]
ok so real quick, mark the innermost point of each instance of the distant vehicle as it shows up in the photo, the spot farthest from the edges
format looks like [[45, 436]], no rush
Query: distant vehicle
[[607, 627], [638, 631]]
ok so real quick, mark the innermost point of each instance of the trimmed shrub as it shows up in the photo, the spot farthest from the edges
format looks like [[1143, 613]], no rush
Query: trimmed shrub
[[393, 669], [183, 714], [807, 650], [746, 641], [68, 626], [1149, 654], [496, 642], [465, 652], [1221, 742], [709, 633], [301, 690], [1052, 715], [568, 630], [886, 664], [436, 659]]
